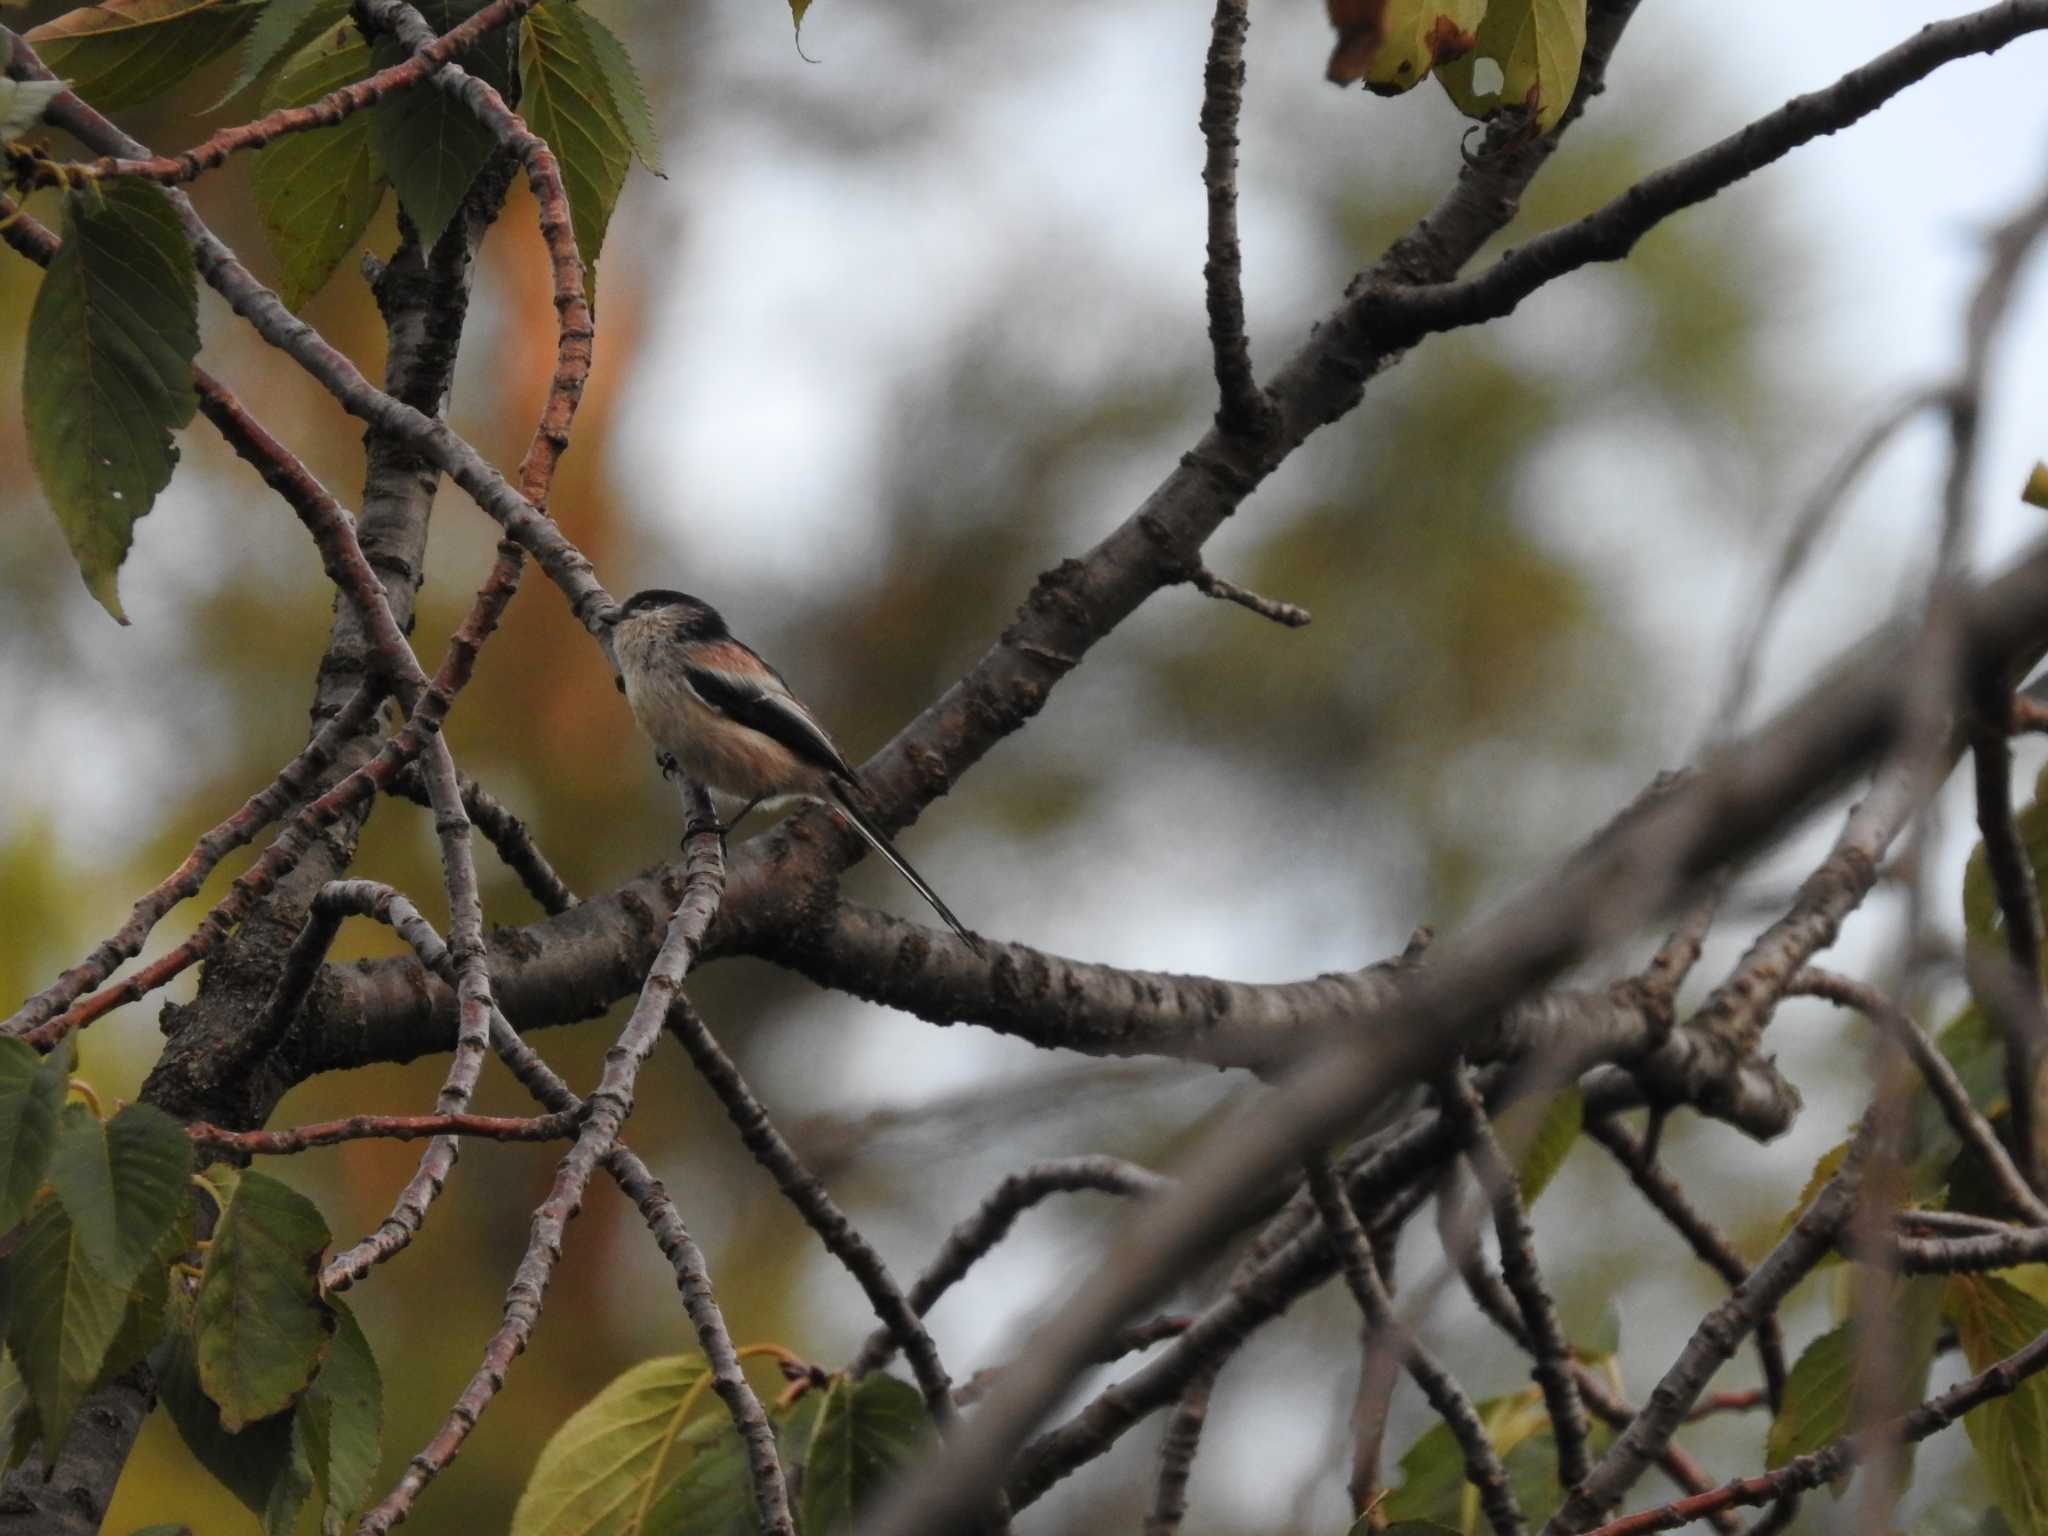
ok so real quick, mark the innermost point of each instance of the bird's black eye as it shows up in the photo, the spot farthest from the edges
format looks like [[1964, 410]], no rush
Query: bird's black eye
[[619, 683]]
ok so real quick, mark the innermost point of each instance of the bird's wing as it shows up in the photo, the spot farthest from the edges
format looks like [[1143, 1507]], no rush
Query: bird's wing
[[761, 701]]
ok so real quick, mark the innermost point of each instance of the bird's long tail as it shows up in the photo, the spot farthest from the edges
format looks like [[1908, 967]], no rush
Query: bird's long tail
[[881, 844]]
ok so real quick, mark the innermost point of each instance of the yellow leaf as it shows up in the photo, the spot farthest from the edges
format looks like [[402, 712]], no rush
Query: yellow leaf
[[2035, 493], [1526, 55], [1392, 44]]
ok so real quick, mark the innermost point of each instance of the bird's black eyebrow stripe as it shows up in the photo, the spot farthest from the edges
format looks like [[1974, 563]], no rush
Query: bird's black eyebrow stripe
[[764, 713]]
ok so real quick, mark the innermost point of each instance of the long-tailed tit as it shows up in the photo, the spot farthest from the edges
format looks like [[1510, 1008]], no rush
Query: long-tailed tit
[[720, 714]]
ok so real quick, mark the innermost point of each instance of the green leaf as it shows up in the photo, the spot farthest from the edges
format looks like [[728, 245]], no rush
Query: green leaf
[[629, 97], [796, 18], [714, 1495], [17, 1413], [1526, 55], [262, 1327], [327, 1442], [317, 191], [31, 1097], [1982, 921], [432, 144], [122, 1183], [64, 1315], [22, 103], [852, 1438], [350, 1394], [1819, 1394], [122, 52], [163, 1530], [564, 99], [2035, 492], [616, 1455], [1992, 1320], [250, 1464], [1548, 1141], [282, 30], [1433, 1488], [107, 375]]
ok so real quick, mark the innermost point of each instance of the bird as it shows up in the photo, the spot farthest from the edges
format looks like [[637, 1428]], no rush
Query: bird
[[724, 717]]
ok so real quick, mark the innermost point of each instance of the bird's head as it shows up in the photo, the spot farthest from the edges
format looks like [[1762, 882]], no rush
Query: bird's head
[[686, 617]]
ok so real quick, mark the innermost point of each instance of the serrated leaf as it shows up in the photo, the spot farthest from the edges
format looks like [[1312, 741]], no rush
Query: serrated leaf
[[262, 1328], [852, 1438], [248, 1464], [296, 1478], [328, 1441], [1818, 1394], [614, 1457], [107, 375], [350, 1391], [1548, 1143], [318, 191], [284, 27], [122, 52], [1433, 1489], [22, 103], [64, 1315], [564, 99], [31, 1098], [714, 1494], [122, 1183], [1992, 1320], [432, 145], [1526, 54], [629, 96], [1392, 44]]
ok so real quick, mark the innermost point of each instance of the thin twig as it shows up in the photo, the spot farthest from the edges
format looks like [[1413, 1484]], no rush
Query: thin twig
[[1669, 1200], [1209, 584], [972, 1239], [1551, 1351], [1836, 1460], [190, 164], [608, 1105], [510, 836], [329, 1133], [1715, 1338], [1963, 1117], [1483, 1467], [817, 1207], [1177, 1450], [1243, 409]]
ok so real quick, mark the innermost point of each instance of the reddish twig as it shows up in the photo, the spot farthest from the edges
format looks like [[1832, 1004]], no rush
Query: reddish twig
[[1836, 1460], [329, 1133], [190, 164], [234, 831]]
